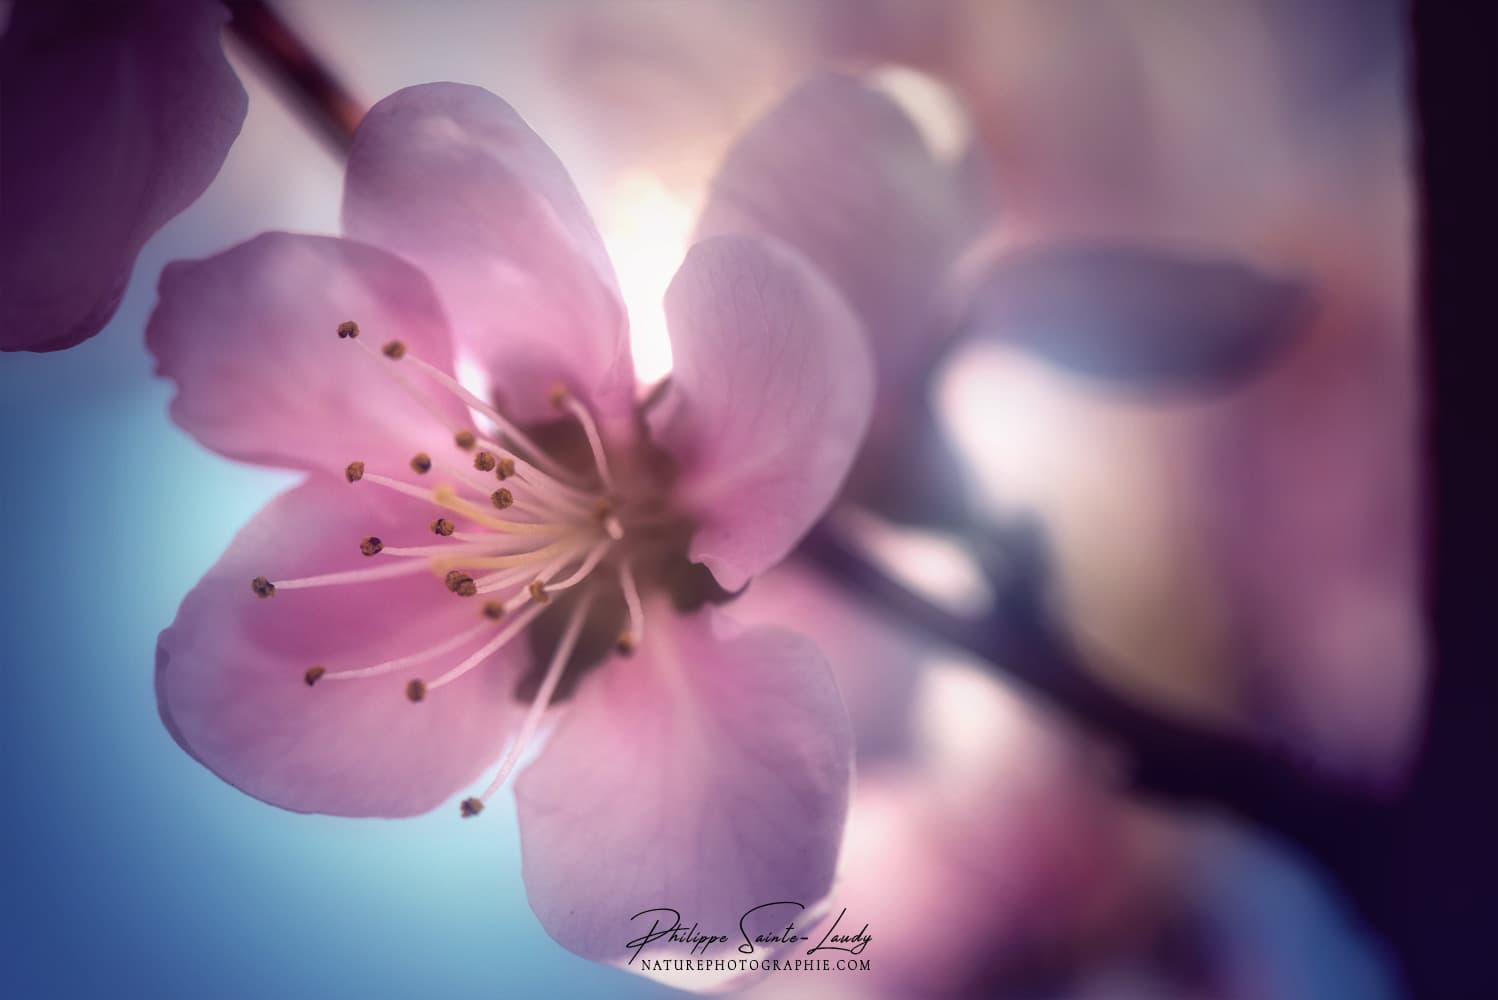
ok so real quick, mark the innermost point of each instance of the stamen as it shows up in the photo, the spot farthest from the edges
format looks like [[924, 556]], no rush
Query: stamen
[[471, 807], [494, 610], [354, 472], [421, 463], [506, 469], [485, 461], [538, 592], [390, 666], [263, 587], [416, 689], [444, 496], [538, 707], [415, 492], [465, 438], [478, 405], [460, 583], [632, 601], [519, 575], [394, 350], [442, 526], [595, 442], [564, 548], [515, 627], [502, 498], [589, 562], [371, 546], [313, 675], [484, 545], [352, 576], [348, 328]]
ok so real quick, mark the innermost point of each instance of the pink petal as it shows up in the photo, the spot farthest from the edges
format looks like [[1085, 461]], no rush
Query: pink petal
[[116, 118], [451, 178], [838, 171], [230, 669], [875, 663], [250, 338], [708, 774], [770, 395]]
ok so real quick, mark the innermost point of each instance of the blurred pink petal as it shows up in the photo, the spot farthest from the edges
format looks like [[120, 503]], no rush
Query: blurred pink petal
[[116, 117], [451, 178], [876, 663], [769, 397], [248, 336], [230, 669], [838, 171], [707, 775]]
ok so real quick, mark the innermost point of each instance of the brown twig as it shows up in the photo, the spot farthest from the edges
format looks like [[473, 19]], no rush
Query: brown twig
[[298, 71]]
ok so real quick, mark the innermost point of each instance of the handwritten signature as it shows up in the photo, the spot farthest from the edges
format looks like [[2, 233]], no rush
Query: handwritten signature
[[667, 926]]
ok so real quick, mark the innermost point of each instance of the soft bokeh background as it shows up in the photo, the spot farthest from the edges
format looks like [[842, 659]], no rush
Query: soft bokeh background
[[132, 871]]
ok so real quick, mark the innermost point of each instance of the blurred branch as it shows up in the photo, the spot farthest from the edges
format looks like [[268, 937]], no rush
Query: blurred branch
[[1169, 757], [298, 72]]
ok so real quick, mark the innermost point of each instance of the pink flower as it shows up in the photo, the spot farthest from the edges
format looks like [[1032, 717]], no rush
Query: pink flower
[[116, 118], [481, 559]]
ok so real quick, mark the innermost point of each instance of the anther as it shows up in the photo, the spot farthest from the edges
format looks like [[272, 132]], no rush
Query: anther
[[371, 546], [416, 689], [626, 644], [421, 463], [538, 592], [347, 329], [394, 350], [442, 526], [493, 610], [313, 675], [263, 587], [485, 461], [460, 583], [557, 394], [502, 498], [471, 807], [354, 472], [506, 469], [602, 509], [464, 440]]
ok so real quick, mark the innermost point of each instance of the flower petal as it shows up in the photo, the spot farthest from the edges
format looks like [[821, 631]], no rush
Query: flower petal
[[876, 664], [839, 171], [770, 395], [721, 757], [450, 177], [1137, 315], [116, 118], [250, 337], [230, 669]]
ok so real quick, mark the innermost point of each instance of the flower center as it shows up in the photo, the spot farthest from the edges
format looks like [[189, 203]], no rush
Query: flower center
[[525, 523]]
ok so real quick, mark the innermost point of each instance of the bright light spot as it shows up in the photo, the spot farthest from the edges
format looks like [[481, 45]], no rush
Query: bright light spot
[[928, 562], [646, 227], [931, 105], [968, 723], [1022, 435]]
